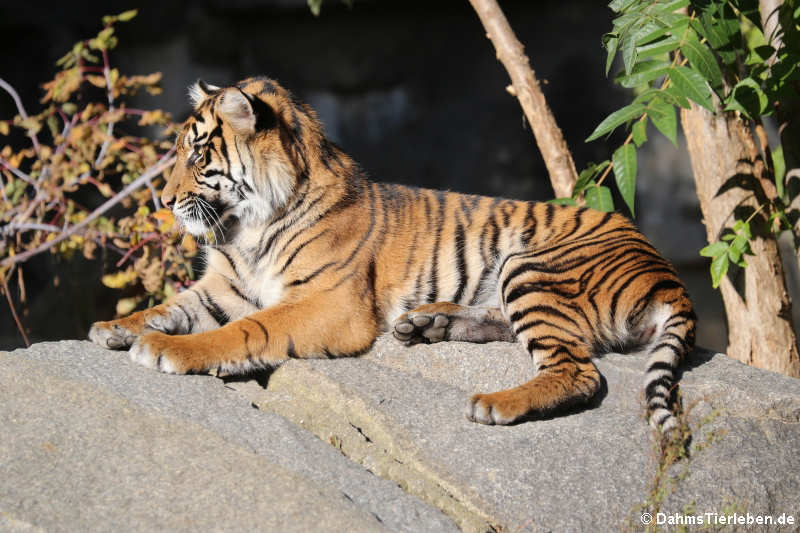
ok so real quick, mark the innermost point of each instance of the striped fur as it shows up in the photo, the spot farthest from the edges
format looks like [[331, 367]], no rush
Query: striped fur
[[310, 259]]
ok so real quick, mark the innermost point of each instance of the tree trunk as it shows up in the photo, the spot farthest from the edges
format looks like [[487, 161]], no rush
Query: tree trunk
[[727, 170]]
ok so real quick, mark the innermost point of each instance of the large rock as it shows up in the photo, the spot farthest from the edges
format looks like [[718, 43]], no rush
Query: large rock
[[399, 411], [92, 441]]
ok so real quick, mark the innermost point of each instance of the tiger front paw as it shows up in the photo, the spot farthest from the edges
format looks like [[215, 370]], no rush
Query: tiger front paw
[[122, 333], [165, 353], [112, 334]]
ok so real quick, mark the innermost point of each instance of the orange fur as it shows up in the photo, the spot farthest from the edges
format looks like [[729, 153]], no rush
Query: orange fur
[[313, 260]]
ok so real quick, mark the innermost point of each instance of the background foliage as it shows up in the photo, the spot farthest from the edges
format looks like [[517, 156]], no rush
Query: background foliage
[[88, 147], [677, 51]]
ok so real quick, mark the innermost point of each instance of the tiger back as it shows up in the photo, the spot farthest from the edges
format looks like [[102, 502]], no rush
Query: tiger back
[[311, 259]]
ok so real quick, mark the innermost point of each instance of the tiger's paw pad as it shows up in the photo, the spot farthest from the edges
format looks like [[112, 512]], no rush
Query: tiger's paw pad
[[413, 328], [153, 350], [486, 409], [111, 335]]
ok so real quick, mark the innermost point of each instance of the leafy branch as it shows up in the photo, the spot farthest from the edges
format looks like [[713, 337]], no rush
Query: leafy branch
[[89, 153], [712, 53]]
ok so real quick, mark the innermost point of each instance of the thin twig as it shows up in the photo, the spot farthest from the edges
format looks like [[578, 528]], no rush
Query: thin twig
[[165, 161], [549, 139], [18, 173], [13, 227], [15, 96], [133, 249], [154, 194], [110, 96], [14, 311]]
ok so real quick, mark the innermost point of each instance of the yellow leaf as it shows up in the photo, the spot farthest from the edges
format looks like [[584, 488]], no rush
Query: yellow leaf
[[164, 215], [126, 305], [97, 81], [189, 245], [119, 279]]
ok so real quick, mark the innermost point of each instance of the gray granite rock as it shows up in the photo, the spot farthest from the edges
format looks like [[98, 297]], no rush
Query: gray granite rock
[[93, 442], [399, 411]]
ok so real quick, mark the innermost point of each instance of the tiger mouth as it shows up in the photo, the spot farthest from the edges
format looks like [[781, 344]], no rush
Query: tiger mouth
[[201, 217]]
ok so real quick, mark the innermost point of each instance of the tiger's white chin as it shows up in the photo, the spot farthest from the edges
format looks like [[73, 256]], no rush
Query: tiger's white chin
[[194, 227]]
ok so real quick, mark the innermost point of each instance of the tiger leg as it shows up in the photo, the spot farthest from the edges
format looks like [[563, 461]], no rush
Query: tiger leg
[[555, 334], [209, 303], [266, 338], [445, 321]]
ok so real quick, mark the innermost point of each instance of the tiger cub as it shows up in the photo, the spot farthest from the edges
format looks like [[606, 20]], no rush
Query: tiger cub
[[313, 260]]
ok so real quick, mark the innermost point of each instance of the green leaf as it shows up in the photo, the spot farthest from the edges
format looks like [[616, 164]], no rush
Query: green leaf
[[719, 267], [562, 201], [714, 250], [739, 247], [675, 97], [629, 54], [671, 7], [701, 58], [692, 85], [610, 41], [620, 116], [624, 160], [643, 73], [663, 116], [748, 98], [620, 5], [744, 227], [587, 175], [599, 197], [639, 132], [721, 28], [125, 16], [662, 46], [315, 6], [779, 169]]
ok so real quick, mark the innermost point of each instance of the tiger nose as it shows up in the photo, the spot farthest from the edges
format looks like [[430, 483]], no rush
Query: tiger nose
[[167, 198]]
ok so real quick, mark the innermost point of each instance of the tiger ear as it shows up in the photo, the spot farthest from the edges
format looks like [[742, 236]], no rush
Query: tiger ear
[[199, 92], [238, 112]]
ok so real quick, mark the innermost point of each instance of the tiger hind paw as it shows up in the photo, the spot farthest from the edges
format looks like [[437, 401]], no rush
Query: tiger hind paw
[[413, 328]]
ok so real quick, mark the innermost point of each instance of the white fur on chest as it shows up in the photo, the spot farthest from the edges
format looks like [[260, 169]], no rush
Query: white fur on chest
[[257, 282]]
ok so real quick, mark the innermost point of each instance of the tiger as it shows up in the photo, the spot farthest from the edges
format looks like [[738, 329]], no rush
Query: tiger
[[309, 258]]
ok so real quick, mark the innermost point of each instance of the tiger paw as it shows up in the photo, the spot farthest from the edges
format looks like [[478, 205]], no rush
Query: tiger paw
[[160, 352], [112, 334], [413, 327], [496, 408], [122, 333]]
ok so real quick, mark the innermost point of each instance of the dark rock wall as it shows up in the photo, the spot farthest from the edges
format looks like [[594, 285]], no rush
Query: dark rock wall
[[411, 89]]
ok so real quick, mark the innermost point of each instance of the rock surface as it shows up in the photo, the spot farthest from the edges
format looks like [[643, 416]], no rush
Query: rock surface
[[92, 441]]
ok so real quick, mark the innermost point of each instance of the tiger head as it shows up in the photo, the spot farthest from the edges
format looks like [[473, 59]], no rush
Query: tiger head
[[242, 153]]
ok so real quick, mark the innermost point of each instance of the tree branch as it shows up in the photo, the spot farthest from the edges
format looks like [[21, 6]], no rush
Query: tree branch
[[165, 161], [14, 311], [15, 96], [549, 138]]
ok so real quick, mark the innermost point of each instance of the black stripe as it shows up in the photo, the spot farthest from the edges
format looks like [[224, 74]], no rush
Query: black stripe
[[261, 327], [461, 261], [290, 353], [299, 249], [313, 275], [544, 310], [216, 312], [433, 279], [660, 365]]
